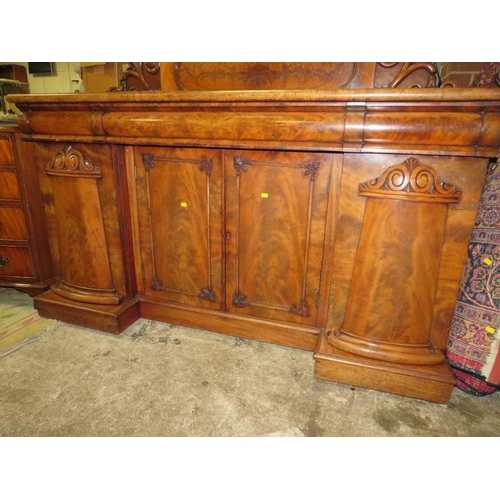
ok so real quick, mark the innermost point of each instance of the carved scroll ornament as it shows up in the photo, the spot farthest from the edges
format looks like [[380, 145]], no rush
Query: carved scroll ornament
[[141, 76], [410, 68], [411, 181], [72, 162]]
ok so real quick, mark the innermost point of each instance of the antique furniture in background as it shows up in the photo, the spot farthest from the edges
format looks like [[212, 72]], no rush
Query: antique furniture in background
[[13, 80], [25, 261], [334, 220], [14, 72]]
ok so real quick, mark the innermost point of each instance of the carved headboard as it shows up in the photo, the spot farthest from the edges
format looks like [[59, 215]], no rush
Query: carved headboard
[[277, 75]]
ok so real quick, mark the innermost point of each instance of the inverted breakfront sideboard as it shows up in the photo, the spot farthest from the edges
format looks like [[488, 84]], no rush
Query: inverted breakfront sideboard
[[335, 221]]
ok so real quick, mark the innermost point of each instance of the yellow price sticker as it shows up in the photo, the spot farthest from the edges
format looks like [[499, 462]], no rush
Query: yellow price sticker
[[264, 195], [488, 261], [490, 330], [184, 204]]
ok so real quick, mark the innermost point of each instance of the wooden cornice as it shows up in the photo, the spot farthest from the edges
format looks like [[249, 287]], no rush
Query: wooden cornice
[[464, 122]]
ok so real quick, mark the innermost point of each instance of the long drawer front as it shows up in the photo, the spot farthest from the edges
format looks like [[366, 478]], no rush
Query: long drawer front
[[15, 261], [12, 224], [9, 186], [6, 153]]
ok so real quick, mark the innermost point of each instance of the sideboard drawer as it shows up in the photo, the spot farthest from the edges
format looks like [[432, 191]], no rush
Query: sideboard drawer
[[12, 224], [16, 262], [9, 185], [6, 154]]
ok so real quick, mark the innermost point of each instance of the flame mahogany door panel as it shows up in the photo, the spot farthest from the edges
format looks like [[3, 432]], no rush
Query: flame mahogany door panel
[[404, 224], [179, 218], [79, 193], [277, 204]]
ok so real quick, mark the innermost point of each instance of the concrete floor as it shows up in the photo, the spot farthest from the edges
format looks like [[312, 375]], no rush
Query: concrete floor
[[157, 379]]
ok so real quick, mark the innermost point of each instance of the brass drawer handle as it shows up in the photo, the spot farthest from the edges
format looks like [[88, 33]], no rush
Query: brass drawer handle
[[4, 261]]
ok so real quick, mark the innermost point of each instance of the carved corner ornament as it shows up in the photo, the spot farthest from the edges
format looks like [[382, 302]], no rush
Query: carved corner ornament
[[311, 169], [240, 164], [206, 165], [207, 293], [301, 309], [157, 285], [239, 299], [72, 162], [411, 181], [148, 160]]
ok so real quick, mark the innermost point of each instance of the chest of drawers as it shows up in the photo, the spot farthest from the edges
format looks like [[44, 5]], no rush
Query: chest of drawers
[[25, 261]]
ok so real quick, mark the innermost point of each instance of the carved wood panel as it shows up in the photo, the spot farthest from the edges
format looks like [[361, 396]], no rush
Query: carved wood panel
[[179, 212], [402, 278], [405, 75], [269, 76], [296, 75], [82, 221], [277, 206]]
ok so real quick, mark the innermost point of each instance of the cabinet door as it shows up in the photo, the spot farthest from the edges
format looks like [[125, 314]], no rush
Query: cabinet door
[[179, 220], [277, 205], [81, 208]]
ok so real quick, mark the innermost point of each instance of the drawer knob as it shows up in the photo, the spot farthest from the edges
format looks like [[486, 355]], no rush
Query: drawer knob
[[4, 261], [1, 223]]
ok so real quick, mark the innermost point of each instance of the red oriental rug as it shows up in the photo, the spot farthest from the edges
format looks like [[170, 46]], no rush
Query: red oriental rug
[[473, 343]]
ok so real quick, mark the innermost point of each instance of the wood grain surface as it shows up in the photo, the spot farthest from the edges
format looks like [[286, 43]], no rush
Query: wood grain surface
[[278, 215]]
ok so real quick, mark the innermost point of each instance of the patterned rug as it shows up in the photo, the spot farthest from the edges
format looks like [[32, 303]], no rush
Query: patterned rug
[[473, 344], [18, 318]]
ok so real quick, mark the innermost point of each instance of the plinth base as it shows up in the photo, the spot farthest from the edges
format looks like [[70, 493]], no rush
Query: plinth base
[[106, 318], [432, 383]]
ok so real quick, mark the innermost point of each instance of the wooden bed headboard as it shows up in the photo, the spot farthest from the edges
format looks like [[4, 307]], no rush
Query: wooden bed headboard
[[277, 75]]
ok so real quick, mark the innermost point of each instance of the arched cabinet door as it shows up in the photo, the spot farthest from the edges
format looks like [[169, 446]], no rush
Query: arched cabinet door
[[80, 200], [391, 300], [397, 268]]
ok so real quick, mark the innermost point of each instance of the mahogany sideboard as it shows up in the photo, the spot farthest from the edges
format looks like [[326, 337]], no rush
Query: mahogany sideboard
[[335, 221]]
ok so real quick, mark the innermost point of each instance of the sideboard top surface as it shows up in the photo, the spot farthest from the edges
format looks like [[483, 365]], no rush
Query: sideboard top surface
[[349, 95]]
